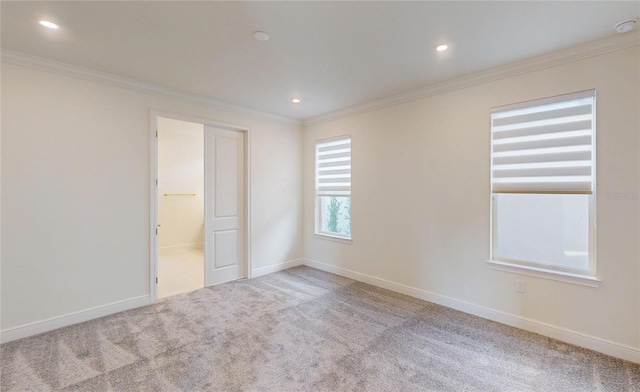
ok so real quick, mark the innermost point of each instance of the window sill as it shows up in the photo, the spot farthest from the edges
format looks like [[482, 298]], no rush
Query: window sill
[[335, 238], [568, 277]]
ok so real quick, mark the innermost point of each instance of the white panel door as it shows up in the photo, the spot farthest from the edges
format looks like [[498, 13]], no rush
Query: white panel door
[[224, 247]]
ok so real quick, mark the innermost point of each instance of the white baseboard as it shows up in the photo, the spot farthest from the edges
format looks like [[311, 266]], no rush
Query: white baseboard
[[276, 267], [576, 338], [38, 327]]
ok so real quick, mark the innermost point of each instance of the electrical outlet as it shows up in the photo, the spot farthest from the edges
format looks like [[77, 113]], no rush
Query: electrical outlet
[[520, 286]]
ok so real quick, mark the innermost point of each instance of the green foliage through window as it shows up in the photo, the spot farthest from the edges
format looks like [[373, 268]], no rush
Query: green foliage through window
[[336, 215], [348, 217], [333, 214]]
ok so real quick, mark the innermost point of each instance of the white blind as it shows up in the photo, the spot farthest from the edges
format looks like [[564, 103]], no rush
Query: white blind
[[333, 167], [544, 146]]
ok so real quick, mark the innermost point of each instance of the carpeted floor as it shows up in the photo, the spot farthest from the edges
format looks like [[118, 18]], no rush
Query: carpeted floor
[[302, 330]]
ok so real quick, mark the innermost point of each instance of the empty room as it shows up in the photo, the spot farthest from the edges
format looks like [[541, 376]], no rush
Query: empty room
[[320, 196]]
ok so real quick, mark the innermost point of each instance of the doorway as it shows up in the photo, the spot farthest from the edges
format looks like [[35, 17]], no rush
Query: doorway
[[180, 206], [199, 204]]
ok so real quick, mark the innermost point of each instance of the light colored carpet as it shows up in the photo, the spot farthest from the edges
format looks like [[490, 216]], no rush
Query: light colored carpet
[[180, 269], [302, 330]]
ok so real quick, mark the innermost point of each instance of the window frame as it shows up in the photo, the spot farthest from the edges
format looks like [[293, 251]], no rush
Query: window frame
[[318, 211], [582, 277]]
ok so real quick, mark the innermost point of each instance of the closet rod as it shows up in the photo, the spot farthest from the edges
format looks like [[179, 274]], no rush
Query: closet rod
[[179, 194]]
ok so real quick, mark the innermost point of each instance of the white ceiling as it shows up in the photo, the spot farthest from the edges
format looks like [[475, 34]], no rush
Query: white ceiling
[[331, 55]]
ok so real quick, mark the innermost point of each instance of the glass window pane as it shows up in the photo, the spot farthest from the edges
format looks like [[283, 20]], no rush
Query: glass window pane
[[551, 230], [336, 215]]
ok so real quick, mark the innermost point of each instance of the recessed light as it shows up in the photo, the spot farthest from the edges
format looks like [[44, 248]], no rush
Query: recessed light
[[48, 24], [260, 35], [442, 47], [295, 100]]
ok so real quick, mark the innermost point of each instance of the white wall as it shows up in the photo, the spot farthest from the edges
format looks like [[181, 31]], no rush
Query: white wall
[[180, 170], [75, 202], [75, 181], [420, 199]]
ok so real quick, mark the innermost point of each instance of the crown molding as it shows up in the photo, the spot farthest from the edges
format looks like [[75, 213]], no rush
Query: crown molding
[[575, 53], [44, 64]]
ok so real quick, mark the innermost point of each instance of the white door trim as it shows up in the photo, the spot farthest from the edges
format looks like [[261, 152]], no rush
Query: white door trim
[[153, 190]]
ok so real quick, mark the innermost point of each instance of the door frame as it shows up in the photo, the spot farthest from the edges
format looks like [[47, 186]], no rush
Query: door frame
[[153, 189]]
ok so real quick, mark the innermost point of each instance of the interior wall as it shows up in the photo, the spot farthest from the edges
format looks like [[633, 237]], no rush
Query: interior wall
[[75, 181], [180, 183], [420, 199]]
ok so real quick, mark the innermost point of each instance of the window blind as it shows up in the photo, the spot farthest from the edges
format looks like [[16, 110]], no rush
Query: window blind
[[544, 146], [333, 167]]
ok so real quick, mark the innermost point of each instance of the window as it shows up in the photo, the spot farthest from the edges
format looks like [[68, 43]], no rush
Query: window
[[333, 187], [543, 185]]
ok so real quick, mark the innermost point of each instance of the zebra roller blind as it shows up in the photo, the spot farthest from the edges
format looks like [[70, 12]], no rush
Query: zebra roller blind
[[544, 146], [333, 167]]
